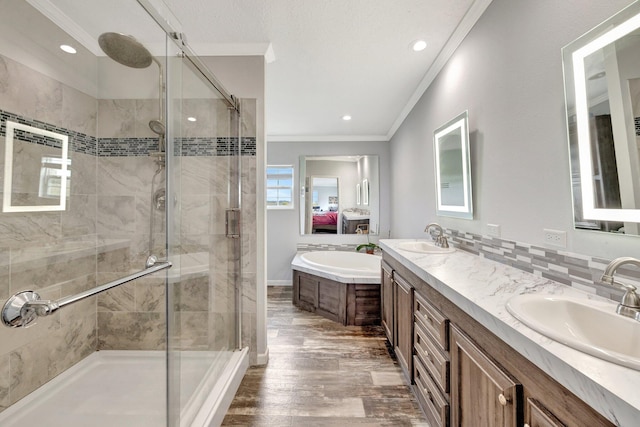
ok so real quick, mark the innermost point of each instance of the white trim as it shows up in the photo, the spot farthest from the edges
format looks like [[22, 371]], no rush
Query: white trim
[[279, 283], [263, 358], [327, 138], [221, 396], [466, 24]]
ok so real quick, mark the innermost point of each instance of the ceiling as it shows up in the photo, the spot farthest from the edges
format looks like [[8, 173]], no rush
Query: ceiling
[[330, 58], [325, 58]]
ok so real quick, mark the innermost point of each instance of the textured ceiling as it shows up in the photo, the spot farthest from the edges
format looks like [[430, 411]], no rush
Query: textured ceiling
[[332, 57]]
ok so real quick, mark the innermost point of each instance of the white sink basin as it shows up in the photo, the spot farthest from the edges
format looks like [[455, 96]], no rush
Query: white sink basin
[[424, 248], [592, 327]]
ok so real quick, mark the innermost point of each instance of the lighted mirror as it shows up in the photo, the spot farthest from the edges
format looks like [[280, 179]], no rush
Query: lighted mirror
[[36, 169], [328, 204], [602, 88], [453, 168]]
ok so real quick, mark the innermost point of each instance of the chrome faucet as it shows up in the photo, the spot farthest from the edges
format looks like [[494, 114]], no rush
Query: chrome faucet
[[441, 239], [630, 304]]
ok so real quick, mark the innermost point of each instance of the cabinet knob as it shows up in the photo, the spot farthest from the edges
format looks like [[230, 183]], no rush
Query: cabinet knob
[[503, 400]]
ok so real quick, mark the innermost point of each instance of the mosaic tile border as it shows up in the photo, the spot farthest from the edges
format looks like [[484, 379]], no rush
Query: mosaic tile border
[[78, 142], [576, 270], [129, 147]]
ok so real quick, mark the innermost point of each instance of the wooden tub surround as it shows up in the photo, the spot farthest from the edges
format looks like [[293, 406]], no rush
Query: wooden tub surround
[[355, 304]]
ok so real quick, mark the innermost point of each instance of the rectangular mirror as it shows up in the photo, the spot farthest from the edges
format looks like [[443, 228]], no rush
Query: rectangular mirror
[[602, 76], [36, 174], [328, 203], [453, 168]]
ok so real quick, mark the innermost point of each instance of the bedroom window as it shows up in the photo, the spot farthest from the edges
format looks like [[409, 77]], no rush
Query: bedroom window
[[279, 187]]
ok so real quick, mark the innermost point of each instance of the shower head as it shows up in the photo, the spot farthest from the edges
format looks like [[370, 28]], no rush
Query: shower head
[[125, 50], [157, 127]]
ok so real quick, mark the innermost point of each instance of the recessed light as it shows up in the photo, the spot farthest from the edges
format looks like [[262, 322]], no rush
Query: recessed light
[[192, 119], [346, 118], [418, 45], [67, 48]]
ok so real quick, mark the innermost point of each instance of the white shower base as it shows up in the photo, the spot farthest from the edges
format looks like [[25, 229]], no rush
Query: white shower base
[[128, 389]]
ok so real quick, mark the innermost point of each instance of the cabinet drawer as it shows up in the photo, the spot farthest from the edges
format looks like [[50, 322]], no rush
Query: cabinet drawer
[[434, 322], [433, 403], [436, 363]]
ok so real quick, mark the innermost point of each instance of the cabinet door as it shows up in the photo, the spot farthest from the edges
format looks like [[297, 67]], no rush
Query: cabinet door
[[483, 394], [404, 325], [387, 302], [537, 415]]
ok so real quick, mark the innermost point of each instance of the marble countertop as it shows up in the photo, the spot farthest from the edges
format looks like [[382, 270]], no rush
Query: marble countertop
[[354, 215], [482, 287]]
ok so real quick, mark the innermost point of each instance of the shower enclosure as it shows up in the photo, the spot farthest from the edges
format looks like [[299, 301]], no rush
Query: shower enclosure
[[120, 246]]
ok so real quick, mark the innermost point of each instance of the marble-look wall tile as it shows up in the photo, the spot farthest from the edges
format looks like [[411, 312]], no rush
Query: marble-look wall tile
[[116, 214], [121, 298], [195, 175], [44, 271], [194, 330], [150, 295], [192, 294], [205, 111], [131, 331], [116, 118], [117, 260], [5, 382], [5, 274], [79, 111], [248, 122], [195, 214], [84, 173], [145, 111], [80, 216]]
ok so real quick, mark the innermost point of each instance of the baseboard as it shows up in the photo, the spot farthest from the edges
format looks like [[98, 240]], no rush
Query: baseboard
[[279, 282], [263, 358]]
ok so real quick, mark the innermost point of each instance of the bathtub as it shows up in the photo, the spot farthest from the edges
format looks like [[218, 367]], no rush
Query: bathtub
[[343, 267], [341, 286]]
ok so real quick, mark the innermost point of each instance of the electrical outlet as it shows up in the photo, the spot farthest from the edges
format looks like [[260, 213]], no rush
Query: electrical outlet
[[555, 238], [493, 230]]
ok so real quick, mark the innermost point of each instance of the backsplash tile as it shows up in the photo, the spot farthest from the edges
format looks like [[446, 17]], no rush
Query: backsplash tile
[[576, 270]]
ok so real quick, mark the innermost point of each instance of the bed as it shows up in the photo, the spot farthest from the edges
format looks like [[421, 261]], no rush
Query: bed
[[325, 222]]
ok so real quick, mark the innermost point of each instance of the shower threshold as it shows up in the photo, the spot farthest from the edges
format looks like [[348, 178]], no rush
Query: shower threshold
[[128, 389]]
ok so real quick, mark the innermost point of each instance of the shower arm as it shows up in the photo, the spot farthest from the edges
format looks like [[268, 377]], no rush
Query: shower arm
[[22, 309]]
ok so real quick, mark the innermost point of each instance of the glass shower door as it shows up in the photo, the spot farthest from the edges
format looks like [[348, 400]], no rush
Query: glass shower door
[[203, 189]]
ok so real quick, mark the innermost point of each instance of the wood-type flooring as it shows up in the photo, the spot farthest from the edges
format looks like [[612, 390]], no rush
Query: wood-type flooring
[[321, 373]]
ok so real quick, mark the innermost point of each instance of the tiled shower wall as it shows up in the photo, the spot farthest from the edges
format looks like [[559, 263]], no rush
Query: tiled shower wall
[[56, 253], [35, 248]]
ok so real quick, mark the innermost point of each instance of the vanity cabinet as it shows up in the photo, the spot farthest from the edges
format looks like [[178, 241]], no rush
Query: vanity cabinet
[[403, 296], [463, 374], [349, 226], [483, 393], [537, 415], [386, 290]]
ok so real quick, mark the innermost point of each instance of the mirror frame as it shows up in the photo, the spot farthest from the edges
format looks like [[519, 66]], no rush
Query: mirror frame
[[573, 55], [8, 169], [461, 122]]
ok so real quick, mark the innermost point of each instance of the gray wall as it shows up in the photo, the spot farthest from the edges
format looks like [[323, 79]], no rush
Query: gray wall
[[508, 74], [283, 226]]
